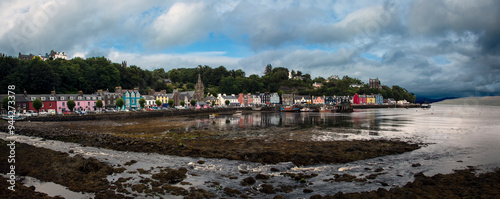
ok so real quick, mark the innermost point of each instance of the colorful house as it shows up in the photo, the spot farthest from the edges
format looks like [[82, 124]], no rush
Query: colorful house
[[302, 99], [329, 100], [379, 99], [49, 102], [275, 98], [355, 99], [370, 99], [131, 98], [83, 102], [318, 100]]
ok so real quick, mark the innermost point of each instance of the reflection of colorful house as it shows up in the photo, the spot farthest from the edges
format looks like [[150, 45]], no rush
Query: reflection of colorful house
[[318, 100]]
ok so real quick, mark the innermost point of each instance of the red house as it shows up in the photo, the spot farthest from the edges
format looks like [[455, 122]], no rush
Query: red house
[[355, 99], [49, 102]]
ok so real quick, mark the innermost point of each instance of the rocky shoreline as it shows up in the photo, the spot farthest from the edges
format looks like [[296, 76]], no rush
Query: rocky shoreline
[[88, 175], [210, 144]]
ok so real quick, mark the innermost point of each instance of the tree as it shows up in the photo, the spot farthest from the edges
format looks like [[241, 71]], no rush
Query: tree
[[99, 104], [183, 103], [71, 104], [142, 102], [37, 104], [269, 68], [213, 102], [5, 103], [193, 102], [158, 103], [170, 103], [227, 102], [119, 103]]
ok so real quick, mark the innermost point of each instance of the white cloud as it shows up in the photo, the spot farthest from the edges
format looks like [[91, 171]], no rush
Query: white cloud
[[183, 24]]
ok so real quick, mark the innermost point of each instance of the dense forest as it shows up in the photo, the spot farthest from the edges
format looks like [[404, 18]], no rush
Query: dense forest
[[88, 75]]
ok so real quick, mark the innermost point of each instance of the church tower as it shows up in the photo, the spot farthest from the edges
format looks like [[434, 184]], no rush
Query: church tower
[[199, 94]]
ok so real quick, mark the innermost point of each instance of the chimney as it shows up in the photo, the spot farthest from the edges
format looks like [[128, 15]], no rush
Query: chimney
[[118, 89], [151, 92], [53, 93], [25, 93], [80, 93]]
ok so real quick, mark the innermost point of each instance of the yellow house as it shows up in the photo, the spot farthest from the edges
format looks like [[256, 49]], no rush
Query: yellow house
[[163, 98], [370, 99]]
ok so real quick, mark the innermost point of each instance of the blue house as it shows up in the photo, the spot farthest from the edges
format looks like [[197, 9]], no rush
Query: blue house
[[329, 100], [131, 98], [379, 99]]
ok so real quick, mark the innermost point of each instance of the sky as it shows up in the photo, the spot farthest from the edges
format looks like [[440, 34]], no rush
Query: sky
[[432, 48]]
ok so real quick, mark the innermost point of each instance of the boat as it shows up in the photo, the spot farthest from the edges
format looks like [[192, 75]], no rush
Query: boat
[[425, 105], [305, 109], [238, 113], [325, 109], [293, 108], [257, 108], [15, 118]]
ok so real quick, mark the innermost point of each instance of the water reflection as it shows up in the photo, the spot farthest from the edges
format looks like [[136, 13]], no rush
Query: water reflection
[[360, 119]]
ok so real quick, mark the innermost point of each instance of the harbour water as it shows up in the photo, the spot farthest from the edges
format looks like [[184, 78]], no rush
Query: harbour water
[[452, 137]]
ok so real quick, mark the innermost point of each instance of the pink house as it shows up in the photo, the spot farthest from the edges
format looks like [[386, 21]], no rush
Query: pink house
[[82, 102], [318, 100]]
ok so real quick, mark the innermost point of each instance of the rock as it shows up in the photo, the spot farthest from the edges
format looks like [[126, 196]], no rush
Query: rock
[[261, 177], [248, 181], [201, 162], [268, 189], [275, 169], [308, 191], [71, 151], [416, 165]]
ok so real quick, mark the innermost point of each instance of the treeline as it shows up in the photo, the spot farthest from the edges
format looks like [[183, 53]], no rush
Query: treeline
[[70, 76], [89, 75]]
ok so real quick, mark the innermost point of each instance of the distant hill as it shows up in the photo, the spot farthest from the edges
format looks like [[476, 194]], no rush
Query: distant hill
[[488, 101], [421, 100]]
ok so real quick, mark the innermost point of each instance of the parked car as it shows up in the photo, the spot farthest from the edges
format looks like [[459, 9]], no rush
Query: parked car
[[33, 113], [42, 113], [110, 110], [66, 113]]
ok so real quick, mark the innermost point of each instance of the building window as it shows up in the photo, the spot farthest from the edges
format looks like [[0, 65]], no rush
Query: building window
[[51, 98], [62, 98], [24, 105], [71, 98], [63, 104], [33, 98], [78, 103], [50, 104], [43, 105], [42, 98], [88, 103]]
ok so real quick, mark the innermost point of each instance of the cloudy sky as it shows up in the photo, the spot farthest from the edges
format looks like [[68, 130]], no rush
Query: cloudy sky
[[432, 48]]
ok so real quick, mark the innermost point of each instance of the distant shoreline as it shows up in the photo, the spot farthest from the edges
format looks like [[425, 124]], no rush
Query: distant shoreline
[[485, 101]]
